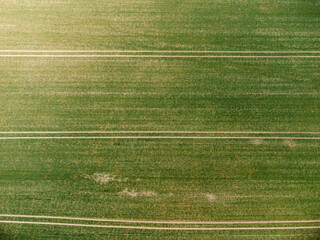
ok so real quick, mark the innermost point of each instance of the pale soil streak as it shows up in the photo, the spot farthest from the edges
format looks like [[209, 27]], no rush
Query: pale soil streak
[[157, 94], [159, 222], [258, 196], [133, 193], [145, 51], [210, 197], [162, 228], [150, 56], [270, 235], [290, 144], [158, 137], [104, 178], [159, 132]]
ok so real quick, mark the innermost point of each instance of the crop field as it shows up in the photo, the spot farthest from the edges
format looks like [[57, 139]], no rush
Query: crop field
[[159, 119]]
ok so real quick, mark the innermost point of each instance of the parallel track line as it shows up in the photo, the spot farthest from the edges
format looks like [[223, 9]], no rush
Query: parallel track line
[[159, 222], [159, 132], [147, 51], [148, 56], [161, 228], [156, 137]]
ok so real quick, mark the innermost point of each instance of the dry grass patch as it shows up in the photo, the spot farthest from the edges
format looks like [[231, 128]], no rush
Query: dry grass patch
[[290, 143], [104, 178], [133, 193], [210, 197], [257, 142]]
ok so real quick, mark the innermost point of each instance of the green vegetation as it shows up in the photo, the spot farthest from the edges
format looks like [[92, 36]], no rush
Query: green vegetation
[[169, 24], [159, 179], [190, 180], [167, 94]]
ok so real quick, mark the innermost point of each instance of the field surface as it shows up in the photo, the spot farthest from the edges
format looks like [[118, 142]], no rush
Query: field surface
[[159, 119]]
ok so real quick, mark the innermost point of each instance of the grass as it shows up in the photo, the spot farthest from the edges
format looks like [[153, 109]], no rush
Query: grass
[[249, 182], [183, 94], [163, 179], [51, 175], [178, 24]]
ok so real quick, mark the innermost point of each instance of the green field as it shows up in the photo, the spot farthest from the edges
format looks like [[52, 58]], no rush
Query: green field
[[160, 136], [160, 25]]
